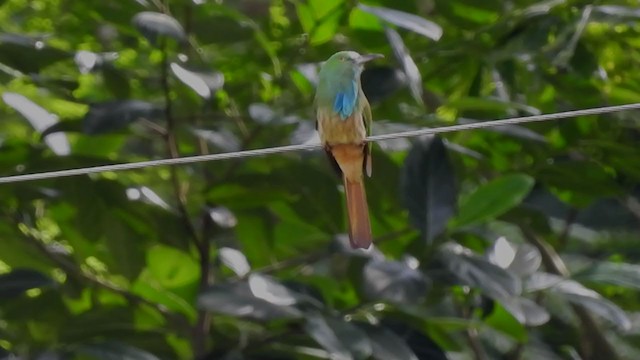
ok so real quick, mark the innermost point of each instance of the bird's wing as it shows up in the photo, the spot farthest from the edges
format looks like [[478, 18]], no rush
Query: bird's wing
[[367, 119]]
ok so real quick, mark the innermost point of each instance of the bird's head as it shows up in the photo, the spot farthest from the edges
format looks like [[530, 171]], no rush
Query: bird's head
[[350, 60]]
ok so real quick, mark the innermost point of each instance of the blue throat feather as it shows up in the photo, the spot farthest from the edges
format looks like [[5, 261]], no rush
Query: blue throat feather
[[345, 100]]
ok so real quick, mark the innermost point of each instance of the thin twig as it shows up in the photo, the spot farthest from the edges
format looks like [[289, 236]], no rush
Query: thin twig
[[201, 328]]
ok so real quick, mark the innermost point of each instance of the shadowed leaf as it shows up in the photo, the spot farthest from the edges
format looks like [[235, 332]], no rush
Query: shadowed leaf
[[114, 115], [18, 281], [429, 187], [393, 281], [477, 272]]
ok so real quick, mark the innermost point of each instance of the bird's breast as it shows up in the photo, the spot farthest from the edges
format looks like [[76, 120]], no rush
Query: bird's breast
[[334, 130]]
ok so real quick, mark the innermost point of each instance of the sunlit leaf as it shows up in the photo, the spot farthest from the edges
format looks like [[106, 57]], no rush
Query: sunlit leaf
[[234, 260], [40, 119], [408, 65], [405, 20], [204, 84], [153, 24]]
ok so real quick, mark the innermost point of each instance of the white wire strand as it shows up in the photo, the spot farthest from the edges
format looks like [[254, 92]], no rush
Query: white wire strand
[[289, 148]]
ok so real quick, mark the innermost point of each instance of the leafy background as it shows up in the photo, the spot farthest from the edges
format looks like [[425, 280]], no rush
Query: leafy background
[[506, 243]]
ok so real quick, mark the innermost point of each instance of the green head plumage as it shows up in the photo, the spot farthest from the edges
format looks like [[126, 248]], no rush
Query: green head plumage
[[339, 81]]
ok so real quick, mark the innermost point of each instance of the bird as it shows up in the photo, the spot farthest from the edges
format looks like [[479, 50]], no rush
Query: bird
[[343, 121]]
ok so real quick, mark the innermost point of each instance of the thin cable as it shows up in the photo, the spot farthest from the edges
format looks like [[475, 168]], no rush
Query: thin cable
[[288, 148]]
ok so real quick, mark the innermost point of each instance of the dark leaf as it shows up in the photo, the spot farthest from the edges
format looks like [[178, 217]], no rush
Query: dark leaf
[[477, 272], [116, 81], [153, 24], [238, 300], [28, 55], [408, 65], [114, 351], [405, 20], [388, 346], [40, 119], [63, 126], [323, 334], [204, 84], [393, 281], [627, 275], [380, 82], [18, 281], [114, 115], [429, 187], [493, 199]]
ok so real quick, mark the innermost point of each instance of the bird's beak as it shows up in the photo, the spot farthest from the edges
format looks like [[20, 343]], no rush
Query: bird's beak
[[368, 57]]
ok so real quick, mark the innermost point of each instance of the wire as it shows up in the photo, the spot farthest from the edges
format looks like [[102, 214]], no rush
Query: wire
[[289, 148]]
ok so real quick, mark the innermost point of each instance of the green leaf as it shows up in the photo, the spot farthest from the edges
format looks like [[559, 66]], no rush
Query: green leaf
[[19, 281], [429, 187], [172, 267], [505, 322], [493, 199]]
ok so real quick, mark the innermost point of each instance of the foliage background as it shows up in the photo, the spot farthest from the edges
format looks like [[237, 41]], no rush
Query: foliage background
[[507, 243]]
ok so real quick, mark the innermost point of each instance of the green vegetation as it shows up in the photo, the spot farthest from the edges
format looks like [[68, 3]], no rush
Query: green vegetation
[[513, 243]]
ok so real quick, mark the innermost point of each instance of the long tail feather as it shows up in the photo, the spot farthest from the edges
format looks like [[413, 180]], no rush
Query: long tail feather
[[359, 225]]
